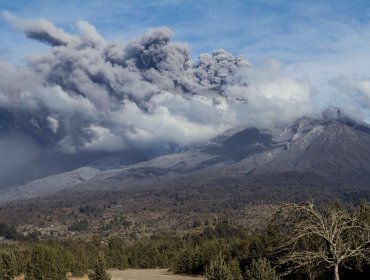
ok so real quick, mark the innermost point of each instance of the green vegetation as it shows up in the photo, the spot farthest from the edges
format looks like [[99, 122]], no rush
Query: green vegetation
[[47, 263], [8, 266], [220, 270], [8, 232], [79, 226], [99, 272], [285, 249], [261, 269]]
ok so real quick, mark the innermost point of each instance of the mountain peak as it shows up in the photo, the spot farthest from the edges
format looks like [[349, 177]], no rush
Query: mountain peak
[[332, 145]]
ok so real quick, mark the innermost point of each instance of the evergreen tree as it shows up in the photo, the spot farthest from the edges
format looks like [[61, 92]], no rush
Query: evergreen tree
[[220, 270], [46, 263], [79, 264], [8, 266], [235, 270], [99, 272], [261, 269]]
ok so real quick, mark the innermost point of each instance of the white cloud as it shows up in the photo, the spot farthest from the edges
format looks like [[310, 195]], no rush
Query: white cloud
[[95, 95]]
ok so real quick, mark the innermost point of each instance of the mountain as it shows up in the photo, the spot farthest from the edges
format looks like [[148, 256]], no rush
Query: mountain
[[331, 146]]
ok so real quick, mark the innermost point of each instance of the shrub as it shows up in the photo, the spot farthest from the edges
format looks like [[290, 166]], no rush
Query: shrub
[[189, 261], [79, 226], [99, 272], [8, 266], [220, 270], [46, 263], [261, 269]]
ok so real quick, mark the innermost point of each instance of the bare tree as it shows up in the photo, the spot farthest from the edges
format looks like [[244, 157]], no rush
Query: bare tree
[[330, 237]]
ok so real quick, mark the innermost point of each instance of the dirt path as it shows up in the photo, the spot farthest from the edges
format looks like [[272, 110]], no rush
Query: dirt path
[[145, 274]]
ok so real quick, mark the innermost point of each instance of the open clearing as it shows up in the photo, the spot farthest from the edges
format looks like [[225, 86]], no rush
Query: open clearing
[[144, 274], [140, 274]]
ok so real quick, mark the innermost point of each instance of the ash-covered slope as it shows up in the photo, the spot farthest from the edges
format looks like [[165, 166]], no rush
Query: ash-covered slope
[[49, 185], [336, 149], [331, 146]]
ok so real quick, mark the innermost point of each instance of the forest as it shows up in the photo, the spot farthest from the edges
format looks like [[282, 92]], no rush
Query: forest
[[300, 241]]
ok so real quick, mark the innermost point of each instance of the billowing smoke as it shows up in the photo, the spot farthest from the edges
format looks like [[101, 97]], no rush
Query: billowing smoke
[[352, 95], [86, 95]]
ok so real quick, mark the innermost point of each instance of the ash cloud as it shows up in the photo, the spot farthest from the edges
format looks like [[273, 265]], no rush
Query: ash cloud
[[41, 30], [86, 95]]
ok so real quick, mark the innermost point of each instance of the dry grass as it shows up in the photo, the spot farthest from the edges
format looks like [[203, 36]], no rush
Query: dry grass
[[144, 274], [139, 274]]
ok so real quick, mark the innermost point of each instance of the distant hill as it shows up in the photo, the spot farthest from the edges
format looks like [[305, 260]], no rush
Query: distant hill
[[331, 147]]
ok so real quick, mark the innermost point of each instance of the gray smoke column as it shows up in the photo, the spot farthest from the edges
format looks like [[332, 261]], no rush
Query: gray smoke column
[[88, 95]]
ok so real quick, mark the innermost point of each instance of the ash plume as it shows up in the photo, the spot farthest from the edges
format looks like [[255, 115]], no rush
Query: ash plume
[[87, 95]]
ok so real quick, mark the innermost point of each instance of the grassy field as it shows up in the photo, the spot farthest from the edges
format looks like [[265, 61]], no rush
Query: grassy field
[[139, 274], [144, 274]]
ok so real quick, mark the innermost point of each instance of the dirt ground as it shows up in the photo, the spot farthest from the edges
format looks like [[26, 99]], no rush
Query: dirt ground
[[144, 274]]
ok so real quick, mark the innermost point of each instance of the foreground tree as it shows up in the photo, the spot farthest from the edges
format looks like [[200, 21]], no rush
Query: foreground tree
[[46, 263], [261, 269], [99, 272], [220, 270], [8, 266], [331, 237]]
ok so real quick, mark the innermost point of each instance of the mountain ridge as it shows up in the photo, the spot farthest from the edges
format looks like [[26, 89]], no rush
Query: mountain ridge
[[332, 146]]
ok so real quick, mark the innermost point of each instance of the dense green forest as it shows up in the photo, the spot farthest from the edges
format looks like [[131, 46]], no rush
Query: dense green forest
[[301, 241]]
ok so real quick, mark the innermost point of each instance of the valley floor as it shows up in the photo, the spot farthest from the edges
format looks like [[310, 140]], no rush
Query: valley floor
[[144, 274], [140, 274]]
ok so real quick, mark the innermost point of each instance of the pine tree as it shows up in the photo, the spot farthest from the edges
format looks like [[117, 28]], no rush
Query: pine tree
[[261, 270], [8, 266], [99, 272], [46, 263], [235, 270], [220, 270]]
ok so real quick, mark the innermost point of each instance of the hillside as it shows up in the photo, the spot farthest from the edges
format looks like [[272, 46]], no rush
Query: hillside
[[331, 146]]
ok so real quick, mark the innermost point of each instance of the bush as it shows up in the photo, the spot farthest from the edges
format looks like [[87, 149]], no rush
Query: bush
[[79, 226], [79, 264], [220, 270], [46, 263], [9, 232], [99, 272], [195, 260], [8, 266], [261, 269], [189, 261], [235, 270]]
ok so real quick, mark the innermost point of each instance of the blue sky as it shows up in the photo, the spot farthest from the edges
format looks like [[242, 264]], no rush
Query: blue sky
[[318, 41], [289, 31]]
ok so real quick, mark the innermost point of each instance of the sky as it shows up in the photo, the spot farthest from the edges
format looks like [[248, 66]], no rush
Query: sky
[[289, 31], [319, 40], [82, 79]]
